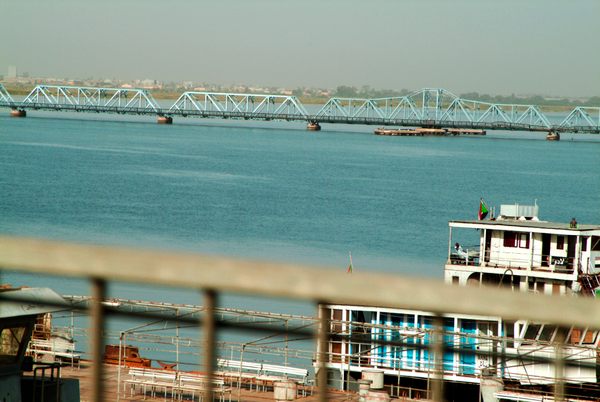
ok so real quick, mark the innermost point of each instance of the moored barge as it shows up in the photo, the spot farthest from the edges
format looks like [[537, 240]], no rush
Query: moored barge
[[420, 132]]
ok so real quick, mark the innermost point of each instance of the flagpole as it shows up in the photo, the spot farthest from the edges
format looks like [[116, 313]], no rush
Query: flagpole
[[349, 270]]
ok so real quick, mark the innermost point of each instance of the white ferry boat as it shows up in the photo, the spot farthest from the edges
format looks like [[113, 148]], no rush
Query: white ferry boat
[[485, 357]]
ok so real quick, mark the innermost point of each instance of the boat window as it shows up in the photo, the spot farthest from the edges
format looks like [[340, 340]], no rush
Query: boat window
[[589, 338], [397, 319], [10, 343], [561, 334], [595, 243], [560, 242], [336, 325], [409, 320], [575, 336], [361, 316], [524, 240], [483, 328], [509, 333], [532, 331], [510, 239], [584, 241], [547, 332], [427, 322]]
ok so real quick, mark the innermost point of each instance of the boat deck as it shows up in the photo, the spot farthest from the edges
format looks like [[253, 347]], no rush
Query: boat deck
[[84, 375]]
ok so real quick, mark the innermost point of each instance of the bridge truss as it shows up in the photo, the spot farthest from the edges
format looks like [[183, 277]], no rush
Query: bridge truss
[[582, 119], [5, 97], [429, 107], [435, 107], [81, 99], [246, 106]]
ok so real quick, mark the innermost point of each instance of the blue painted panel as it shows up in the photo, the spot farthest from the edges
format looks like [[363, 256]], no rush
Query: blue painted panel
[[448, 342], [426, 360], [378, 352], [467, 361], [389, 350], [397, 320], [410, 353]]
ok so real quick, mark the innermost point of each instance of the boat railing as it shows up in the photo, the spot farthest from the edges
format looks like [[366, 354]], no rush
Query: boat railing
[[464, 255], [213, 276], [517, 260]]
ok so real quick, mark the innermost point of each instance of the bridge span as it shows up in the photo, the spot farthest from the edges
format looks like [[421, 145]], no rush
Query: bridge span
[[428, 107]]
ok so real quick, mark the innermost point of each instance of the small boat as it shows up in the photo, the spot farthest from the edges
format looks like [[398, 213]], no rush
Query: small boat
[[553, 136], [313, 126]]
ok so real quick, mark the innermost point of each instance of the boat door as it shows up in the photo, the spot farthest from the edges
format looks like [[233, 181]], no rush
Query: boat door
[[427, 360], [546, 249], [448, 344], [571, 242], [467, 344], [484, 359], [488, 245]]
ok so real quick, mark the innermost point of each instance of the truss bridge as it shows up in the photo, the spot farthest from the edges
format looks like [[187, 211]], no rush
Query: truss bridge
[[429, 107]]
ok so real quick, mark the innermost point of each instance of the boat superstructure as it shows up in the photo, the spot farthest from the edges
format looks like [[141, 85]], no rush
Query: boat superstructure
[[516, 250]]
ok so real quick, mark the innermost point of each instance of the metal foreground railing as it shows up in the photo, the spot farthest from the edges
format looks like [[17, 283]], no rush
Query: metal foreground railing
[[214, 276]]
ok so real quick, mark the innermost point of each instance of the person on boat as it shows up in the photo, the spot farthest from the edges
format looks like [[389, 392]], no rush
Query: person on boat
[[459, 250]]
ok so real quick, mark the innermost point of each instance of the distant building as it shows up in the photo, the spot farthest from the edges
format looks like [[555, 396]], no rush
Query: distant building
[[148, 84], [12, 72]]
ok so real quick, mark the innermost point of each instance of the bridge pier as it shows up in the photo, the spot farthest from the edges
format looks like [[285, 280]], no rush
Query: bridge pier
[[18, 113], [313, 126], [164, 120], [553, 136]]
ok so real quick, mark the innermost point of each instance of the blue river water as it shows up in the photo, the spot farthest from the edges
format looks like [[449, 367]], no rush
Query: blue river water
[[273, 191]]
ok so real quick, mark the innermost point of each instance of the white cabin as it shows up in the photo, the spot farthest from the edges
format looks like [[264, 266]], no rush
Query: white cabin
[[520, 251]]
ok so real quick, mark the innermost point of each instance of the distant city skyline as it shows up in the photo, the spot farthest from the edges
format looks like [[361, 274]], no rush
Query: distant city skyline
[[509, 47]]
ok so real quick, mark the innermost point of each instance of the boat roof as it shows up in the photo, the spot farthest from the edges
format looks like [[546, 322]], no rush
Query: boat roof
[[508, 224], [29, 301]]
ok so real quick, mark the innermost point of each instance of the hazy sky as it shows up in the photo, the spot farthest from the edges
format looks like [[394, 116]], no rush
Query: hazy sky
[[494, 46]]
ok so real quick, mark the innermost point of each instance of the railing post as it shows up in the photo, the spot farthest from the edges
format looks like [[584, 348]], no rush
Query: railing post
[[122, 360], [438, 355], [559, 367], [210, 302], [97, 338], [323, 337]]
